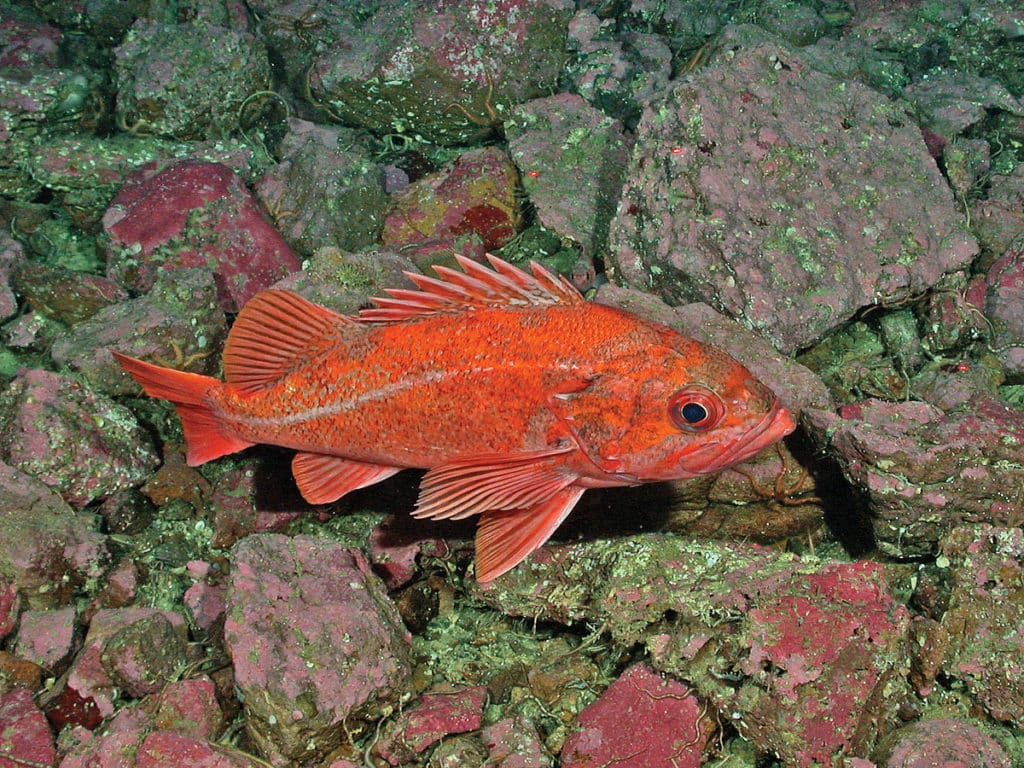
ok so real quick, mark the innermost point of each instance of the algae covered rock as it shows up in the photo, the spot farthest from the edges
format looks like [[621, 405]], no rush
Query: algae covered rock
[[783, 197], [445, 73]]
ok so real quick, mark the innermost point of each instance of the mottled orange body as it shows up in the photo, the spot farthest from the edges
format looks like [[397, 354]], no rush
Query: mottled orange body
[[514, 392]]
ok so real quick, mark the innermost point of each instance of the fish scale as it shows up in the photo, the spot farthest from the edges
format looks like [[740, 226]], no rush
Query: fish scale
[[514, 393]]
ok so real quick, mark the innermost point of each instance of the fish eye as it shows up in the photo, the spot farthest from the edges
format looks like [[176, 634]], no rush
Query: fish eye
[[695, 408]]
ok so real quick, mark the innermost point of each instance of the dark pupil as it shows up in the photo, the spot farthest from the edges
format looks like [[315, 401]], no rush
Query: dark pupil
[[694, 413]]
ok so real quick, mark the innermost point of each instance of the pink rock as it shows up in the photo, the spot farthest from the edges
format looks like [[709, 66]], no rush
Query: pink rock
[[986, 611], [10, 607], [307, 619], [641, 720], [474, 197], [45, 547], [548, 139], [394, 546], [25, 736], [438, 714], [205, 603], [165, 748], [12, 254], [28, 45], [47, 638], [822, 650], [741, 195], [1004, 306], [88, 693], [194, 213], [947, 743], [188, 707], [515, 743], [926, 471], [80, 443], [115, 746]]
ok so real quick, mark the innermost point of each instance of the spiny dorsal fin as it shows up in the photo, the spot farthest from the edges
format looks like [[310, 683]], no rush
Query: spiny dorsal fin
[[476, 287], [276, 332]]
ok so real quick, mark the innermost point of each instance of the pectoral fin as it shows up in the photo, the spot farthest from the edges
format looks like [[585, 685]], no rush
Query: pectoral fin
[[323, 479], [505, 537], [469, 486]]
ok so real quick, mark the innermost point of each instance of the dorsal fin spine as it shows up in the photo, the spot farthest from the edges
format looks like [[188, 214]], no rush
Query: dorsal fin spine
[[476, 287]]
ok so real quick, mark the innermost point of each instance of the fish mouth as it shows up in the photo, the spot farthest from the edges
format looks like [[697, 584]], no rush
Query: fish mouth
[[773, 426]]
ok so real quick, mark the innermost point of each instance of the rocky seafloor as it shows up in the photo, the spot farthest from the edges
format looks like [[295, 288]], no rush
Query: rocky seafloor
[[831, 190]]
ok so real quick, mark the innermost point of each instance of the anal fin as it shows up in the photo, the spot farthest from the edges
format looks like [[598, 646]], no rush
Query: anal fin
[[322, 478], [505, 537]]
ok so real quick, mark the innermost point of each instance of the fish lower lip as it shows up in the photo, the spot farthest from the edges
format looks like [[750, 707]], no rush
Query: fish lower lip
[[775, 425]]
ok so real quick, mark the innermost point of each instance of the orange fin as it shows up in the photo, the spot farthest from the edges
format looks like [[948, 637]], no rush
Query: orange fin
[[464, 487], [206, 436], [323, 479], [275, 333], [505, 537], [476, 287]]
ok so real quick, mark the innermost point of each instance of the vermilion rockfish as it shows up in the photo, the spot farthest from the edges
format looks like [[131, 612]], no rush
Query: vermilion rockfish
[[514, 393]]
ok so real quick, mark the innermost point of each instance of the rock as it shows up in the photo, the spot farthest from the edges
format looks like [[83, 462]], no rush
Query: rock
[[1004, 307], [754, 632], [47, 638], [397, 542], [206, 604], [64, 295], [27, 42], [86, 694], [667, 725], [12, 256], [162, 748], [474, 197], [188, 707], [317, 647], [187, 81], [922, 471], [142, 657], [985, 613], [437, 715], [194, 213], [35, 105], [617, 72], [945, 742], [514, 743], [80, 443], [25, 737], [998, 219], [10, 607], [251, 494], [326, 191], [46, 549], [447, 74], [824, 645], [179, 323], [85, 172], [732, 199], [949, 102], [571, 159]]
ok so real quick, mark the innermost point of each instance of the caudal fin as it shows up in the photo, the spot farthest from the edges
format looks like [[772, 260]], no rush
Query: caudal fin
[[206, 436]]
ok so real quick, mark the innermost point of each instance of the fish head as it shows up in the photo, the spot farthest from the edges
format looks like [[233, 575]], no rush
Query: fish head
[[685, 409]]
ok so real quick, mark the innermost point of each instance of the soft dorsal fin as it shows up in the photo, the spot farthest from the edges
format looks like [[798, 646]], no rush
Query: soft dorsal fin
[[275, 332], [476, 287]]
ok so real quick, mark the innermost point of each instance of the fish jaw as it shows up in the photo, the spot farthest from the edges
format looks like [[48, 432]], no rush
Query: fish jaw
[[719, 455]]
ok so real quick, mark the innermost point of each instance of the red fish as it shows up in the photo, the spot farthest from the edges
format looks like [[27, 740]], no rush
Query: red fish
[[514, 393]]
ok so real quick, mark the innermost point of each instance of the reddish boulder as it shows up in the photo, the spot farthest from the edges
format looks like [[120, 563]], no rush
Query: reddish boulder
[[25, 736], [194, 213], [667, 725]]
